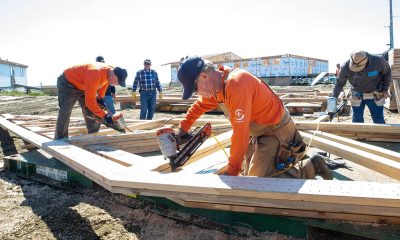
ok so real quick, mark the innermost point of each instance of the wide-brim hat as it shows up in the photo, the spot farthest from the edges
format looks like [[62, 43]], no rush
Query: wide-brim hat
[[358, 61], [188, 71]]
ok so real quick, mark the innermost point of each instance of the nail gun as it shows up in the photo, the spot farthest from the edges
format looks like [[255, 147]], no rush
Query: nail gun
[[118, 123], [334, 110], [170, 149]]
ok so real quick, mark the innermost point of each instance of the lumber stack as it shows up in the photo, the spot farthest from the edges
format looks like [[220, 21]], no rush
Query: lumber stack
[[394, 60], [297, 102]]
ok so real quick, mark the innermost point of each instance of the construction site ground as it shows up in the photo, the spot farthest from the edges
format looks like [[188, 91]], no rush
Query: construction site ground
[[31, 210]]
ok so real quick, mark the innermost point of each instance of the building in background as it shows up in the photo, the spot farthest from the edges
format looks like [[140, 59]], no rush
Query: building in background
[[275, 70], [12, 73]]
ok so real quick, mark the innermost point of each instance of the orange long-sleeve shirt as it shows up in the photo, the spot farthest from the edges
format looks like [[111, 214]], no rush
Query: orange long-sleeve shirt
[[92, 79], [248, 100]]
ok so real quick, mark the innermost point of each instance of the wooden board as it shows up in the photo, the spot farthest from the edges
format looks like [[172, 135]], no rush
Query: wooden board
[[396, 87], [395, 156], [372, 161], [23, 133]]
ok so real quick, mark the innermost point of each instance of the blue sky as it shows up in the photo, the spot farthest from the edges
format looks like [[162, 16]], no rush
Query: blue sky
[[51, 35]]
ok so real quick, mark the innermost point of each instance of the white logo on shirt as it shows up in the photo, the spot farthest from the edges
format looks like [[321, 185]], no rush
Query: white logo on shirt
[[239, 115]]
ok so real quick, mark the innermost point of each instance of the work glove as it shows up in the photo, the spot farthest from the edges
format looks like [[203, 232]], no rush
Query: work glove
[[101, 102], [110, 119], [160, 95], [182, 137], [117, 116], [134, 96]]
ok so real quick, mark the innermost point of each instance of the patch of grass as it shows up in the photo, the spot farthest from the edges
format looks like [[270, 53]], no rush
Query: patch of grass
[[21, 94]]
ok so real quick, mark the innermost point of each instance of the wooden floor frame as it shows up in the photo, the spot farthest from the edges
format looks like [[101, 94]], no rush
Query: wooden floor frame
[[109, 160]]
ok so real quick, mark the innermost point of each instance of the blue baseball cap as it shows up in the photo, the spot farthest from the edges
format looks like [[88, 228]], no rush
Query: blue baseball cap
[[122, 74], [188, 71], [100, 59]]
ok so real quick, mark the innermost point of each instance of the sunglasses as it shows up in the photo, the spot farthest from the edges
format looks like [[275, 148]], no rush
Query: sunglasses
[[147, 64]]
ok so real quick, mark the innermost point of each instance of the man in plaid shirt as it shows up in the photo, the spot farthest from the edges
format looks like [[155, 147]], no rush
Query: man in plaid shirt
[[148, 82]]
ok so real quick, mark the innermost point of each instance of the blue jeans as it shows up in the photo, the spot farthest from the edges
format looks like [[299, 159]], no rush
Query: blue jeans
[[109, 101], [376, 112], [147, 104]]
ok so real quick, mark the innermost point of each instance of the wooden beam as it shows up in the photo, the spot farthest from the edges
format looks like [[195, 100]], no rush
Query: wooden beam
[[125, 158], [358, 193], [296, 213], [396, 86], [136, 126], [349, 127], [395, 156], [23, 133], [372, 161], [89, 164], [89, 139], [301, 208]]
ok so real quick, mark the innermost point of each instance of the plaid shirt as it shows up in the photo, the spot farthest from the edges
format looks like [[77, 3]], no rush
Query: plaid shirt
[[147, 80]]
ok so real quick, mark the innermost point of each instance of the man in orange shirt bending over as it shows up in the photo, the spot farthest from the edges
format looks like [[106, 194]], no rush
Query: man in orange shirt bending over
[[275, 147], [87, 84]]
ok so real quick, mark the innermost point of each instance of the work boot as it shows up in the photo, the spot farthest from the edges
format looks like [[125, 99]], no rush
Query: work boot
[[320, 167]]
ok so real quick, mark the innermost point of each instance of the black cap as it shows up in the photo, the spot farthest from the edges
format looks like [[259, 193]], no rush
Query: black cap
[[122, 74], [188, 71], [147, 61], [100, 59]]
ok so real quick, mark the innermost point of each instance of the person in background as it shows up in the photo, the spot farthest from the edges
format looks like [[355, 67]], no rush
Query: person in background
[[87, 84], [369, 76], [109, 98], [337, 70], [148, 82], [275, 149]]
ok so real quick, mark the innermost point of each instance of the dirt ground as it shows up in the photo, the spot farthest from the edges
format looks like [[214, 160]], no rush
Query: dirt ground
[[30, 210]]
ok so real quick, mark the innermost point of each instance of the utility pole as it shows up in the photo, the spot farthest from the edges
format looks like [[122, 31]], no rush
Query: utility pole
[[391, 26]]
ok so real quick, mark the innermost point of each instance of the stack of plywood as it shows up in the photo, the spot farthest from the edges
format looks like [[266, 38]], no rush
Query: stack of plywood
[[394, 61]]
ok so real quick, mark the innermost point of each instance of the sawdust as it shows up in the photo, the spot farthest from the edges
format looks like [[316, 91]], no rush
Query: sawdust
[[30, 210]]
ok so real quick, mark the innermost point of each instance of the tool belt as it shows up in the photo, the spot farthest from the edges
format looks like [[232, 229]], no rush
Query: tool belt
[[289, 154]]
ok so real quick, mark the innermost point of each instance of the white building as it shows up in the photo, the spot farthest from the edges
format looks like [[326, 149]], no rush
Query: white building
[[12, 73]]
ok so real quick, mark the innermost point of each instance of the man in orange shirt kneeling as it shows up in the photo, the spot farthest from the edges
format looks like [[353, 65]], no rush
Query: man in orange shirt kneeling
[[87, 84], [263, 132]]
